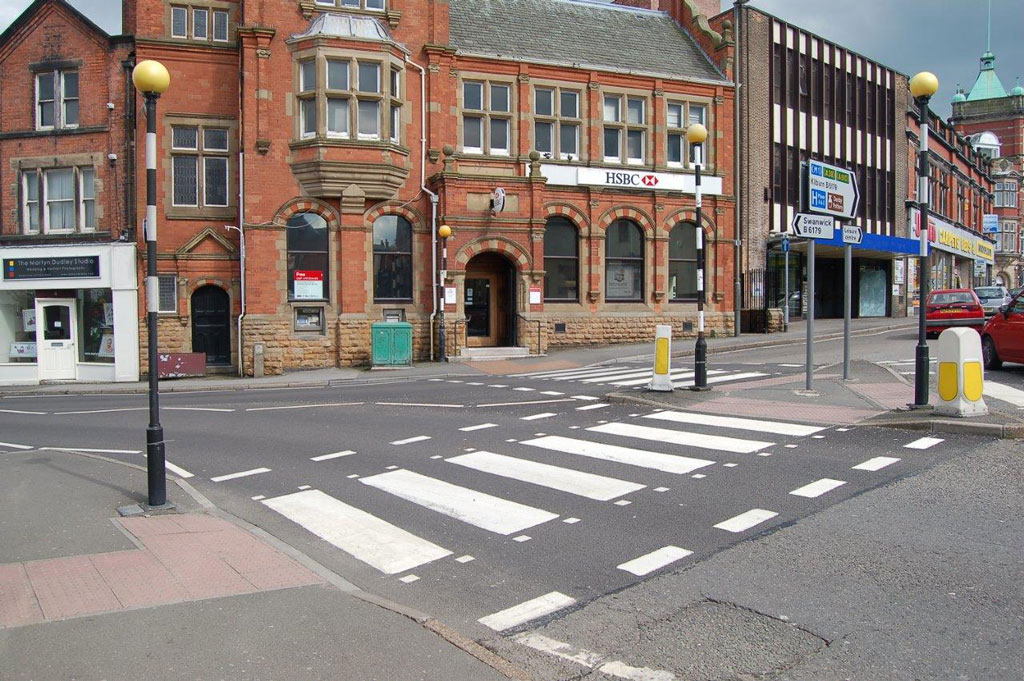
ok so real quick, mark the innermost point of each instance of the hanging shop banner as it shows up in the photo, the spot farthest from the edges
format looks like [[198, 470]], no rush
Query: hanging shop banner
[[309, 284]]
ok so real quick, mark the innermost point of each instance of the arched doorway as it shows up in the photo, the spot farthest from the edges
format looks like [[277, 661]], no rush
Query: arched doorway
[[211, 324], [489, 297]]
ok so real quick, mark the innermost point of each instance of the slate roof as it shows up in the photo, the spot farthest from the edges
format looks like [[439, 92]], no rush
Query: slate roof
[[589, 35]]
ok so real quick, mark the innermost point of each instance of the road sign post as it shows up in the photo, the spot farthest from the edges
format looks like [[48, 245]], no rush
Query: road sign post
[[785, 287], [812, 227], [852, 234]]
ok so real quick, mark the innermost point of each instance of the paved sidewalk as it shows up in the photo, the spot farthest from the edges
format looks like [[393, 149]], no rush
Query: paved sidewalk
[[193, 593]]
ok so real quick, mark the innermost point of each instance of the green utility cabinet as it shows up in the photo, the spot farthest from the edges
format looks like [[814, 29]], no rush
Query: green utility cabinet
[[391, 344]]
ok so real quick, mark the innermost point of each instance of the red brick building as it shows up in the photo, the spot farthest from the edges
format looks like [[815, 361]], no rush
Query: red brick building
[[69, 298], [337, 135]]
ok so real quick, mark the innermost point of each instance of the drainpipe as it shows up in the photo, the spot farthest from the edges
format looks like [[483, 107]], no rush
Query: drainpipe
[[241, 256], [433, 198], [737, 9]]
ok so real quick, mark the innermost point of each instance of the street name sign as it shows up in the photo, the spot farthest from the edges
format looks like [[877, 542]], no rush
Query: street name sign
[[814, 226], [852, 234], [832, 190]]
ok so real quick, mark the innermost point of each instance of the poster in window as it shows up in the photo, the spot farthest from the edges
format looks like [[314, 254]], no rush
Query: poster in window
[[309, 284], [108, 314], [620, 282], [28, 320], [106, 348], [23, 350], [898, 270]]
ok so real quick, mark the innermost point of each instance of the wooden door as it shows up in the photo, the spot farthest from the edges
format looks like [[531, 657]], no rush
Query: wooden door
[[486, 301]]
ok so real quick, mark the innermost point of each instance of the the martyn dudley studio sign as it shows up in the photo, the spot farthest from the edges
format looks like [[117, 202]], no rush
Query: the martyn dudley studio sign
[[72, 267]]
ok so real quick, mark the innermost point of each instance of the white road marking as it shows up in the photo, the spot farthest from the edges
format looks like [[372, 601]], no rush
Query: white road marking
[[923, 443], [259, 497], [623, 502], [468, 429], [744, 521], [454, 381], [595, 405], [646, 564], [730, 465], [794, 366], [91, 451], [390, 468], [571, 521], [306, 406], [17, 411], [568, 480], [241, 474], [674, 376], [571, 374], [875, 464], [558, 649], [219, 409], [521, 538], [99, 411], [302, 487], [998, 391], [551, 392], [177, 470], [498, 385], [419, 404], [353, 476], [527, 611], [365, 537], [408, 579], [792, 446], [335, 455], [525, 390], [525, 402], [470, 506], [410, 440], [817, 488], [534, 417], [669, 463], [777, 427], [661, 489], [465, 559], [735, 377], [698, 476], [13, 445], [474, 383], [585, 398], [682, 437]]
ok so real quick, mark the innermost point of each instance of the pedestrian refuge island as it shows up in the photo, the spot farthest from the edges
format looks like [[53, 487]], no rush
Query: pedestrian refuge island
[[961, 376]]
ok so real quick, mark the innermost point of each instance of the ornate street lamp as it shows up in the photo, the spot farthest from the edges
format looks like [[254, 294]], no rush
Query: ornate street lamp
[[444, 231], [695, 135], [152, 80], [922, 87]]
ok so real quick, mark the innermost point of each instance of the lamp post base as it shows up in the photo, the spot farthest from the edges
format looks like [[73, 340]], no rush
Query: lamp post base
[[700, 364], [921, 376], [156, 466]]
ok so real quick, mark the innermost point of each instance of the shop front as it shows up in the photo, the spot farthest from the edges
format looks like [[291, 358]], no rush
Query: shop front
[[958, 258], [69, 313]]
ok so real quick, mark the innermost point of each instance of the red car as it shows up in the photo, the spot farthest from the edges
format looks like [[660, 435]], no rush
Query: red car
[[953, 308], [1002, 339]]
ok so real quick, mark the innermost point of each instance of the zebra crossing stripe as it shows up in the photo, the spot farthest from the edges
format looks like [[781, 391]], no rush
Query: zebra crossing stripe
[[675, 376], [568, 374], [476, 508], [527, 611], [817, 488], [568, 480], [363, 536], [876, 464], [669, 463], [655, 560], [744, 521], [736, 377], [777, 427], [682, 437]]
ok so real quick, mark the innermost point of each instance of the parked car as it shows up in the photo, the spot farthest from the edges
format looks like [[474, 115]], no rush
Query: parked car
[[952, 308], [1002, 339], [992, 298]]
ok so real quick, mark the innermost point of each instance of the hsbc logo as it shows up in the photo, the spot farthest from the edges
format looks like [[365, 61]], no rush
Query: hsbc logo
[[630, 179]]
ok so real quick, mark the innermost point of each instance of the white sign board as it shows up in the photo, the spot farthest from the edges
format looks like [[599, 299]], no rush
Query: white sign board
[[852, 234], [309, 285], [990, 223], [831, 190], [814, 226]]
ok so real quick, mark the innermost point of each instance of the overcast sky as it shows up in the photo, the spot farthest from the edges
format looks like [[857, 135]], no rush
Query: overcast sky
[[946, 37]]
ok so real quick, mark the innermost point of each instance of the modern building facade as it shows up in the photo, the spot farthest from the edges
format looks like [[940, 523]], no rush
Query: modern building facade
[[803, 97], [993, 119], [311, 149], [69, 297]]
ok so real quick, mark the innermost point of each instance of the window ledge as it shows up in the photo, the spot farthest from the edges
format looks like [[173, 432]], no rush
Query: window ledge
[[186, 213], [28, 239], [54, 132]]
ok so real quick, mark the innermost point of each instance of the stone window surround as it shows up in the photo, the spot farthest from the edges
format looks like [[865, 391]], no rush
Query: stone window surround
[[210, 5], [582, 115], [624, 95], [43, 163], [687, 100], [512, 116], [388, 62], [200, 212]]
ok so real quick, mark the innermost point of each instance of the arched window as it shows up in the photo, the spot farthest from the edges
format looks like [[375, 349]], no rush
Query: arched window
[[308, 271], [392, 258], [682, 262], [624, 262], [561, 261]]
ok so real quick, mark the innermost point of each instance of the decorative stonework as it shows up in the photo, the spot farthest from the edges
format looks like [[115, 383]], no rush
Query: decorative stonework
[[263, 53], [330, 178]]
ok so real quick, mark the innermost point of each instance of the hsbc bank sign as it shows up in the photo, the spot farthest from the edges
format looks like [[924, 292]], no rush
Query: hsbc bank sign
[[625, 179]]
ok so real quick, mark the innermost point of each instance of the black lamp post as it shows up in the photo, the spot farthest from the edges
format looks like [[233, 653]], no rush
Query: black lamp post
[[151, 79], [922, 87], [444, 231], [695, 135]]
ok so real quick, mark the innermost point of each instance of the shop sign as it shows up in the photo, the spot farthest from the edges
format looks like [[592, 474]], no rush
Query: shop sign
[[309, 284], [628, 179], [70, 267], [953, 239]]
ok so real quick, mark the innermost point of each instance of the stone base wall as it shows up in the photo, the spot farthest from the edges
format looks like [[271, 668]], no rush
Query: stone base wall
[[610, 330], [173, 334]]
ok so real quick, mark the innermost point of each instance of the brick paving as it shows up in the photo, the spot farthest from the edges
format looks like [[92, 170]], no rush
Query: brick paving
[[185, 557], [791, 411]]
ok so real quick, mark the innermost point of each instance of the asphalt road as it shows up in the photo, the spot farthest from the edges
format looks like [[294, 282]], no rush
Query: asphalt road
[[423, 455]]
